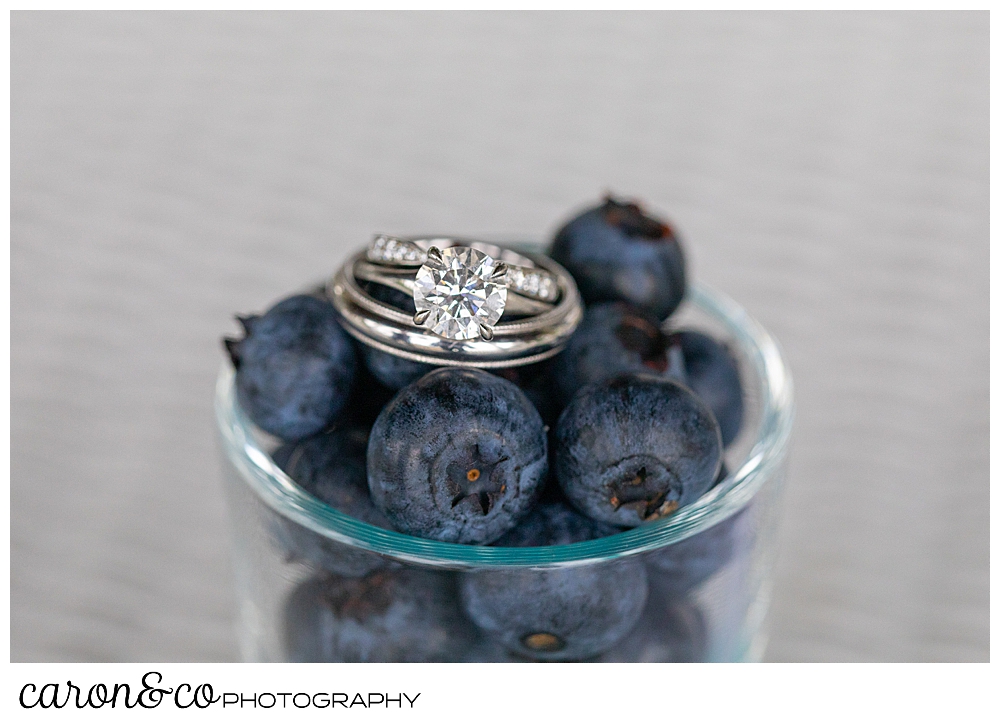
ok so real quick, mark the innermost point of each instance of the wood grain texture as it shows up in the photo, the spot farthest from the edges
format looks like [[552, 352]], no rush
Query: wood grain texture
[[830, 171]]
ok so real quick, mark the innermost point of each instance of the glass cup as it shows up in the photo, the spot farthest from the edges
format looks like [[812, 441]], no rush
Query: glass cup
[[316, 585]]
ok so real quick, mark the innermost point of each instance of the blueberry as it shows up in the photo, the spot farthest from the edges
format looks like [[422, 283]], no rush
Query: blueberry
[[558, 614], [634, 448], [617, 252], [459, 456], [713, 374], [330, 467], [614, 338], [569, 613], [399, 616], [671, 630], [295, 367], [392, 371], [684, 565]]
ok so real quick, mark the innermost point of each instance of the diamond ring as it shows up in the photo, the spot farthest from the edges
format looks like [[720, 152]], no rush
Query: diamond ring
[[449, 301]]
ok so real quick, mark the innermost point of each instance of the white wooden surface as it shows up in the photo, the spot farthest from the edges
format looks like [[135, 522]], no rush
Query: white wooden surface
[[828, 170]]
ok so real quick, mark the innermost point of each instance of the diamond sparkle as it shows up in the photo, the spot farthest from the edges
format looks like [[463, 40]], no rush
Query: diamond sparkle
[[460, 293]]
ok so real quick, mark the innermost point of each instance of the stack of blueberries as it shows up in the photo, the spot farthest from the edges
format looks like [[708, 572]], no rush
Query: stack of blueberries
[[626, 425]]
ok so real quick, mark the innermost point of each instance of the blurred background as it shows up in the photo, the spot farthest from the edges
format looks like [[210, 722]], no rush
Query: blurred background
[[827, 170]]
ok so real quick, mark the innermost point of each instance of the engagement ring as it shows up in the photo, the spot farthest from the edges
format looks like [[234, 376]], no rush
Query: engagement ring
[[473, 303]]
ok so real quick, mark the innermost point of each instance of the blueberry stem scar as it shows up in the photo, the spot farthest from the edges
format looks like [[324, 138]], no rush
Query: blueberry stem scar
[[648, 506], [545, 642]]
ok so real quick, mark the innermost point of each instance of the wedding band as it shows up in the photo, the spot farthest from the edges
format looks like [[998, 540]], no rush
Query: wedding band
[[475, 303]]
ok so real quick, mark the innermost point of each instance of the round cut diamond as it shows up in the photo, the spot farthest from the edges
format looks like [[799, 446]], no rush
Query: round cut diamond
[[458, 290]]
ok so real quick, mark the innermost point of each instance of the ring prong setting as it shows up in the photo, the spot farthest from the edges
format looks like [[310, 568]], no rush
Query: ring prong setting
[[421, 316], [435, 253], [486, 332], [499, 271]]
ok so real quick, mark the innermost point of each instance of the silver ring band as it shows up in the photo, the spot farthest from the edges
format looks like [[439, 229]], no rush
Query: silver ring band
[[534, 329]]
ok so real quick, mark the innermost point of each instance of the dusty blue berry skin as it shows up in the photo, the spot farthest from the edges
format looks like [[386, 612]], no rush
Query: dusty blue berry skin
[[558, 614], [633, 448], [671, 630], [294, 368], [459, 456], [616, 252], [393, 371], [562, 614], [684, 565], [330, 467], [614, 338], [713, 374], [391, 616]]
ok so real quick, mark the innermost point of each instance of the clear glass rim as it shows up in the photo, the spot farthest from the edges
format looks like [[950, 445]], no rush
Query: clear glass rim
[[272, 486]]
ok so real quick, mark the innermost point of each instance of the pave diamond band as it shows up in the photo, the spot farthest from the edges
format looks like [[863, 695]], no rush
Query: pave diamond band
[[391, 250], [532, 282], [473, 303]]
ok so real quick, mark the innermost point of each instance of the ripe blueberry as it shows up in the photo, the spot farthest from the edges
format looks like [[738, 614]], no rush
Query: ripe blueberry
[[391, 616], [330, 467], [634, 448], [569, 613], [556, 614], [713, 374], [295, 367], [614, 338], [617, 252], [459, 455]]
